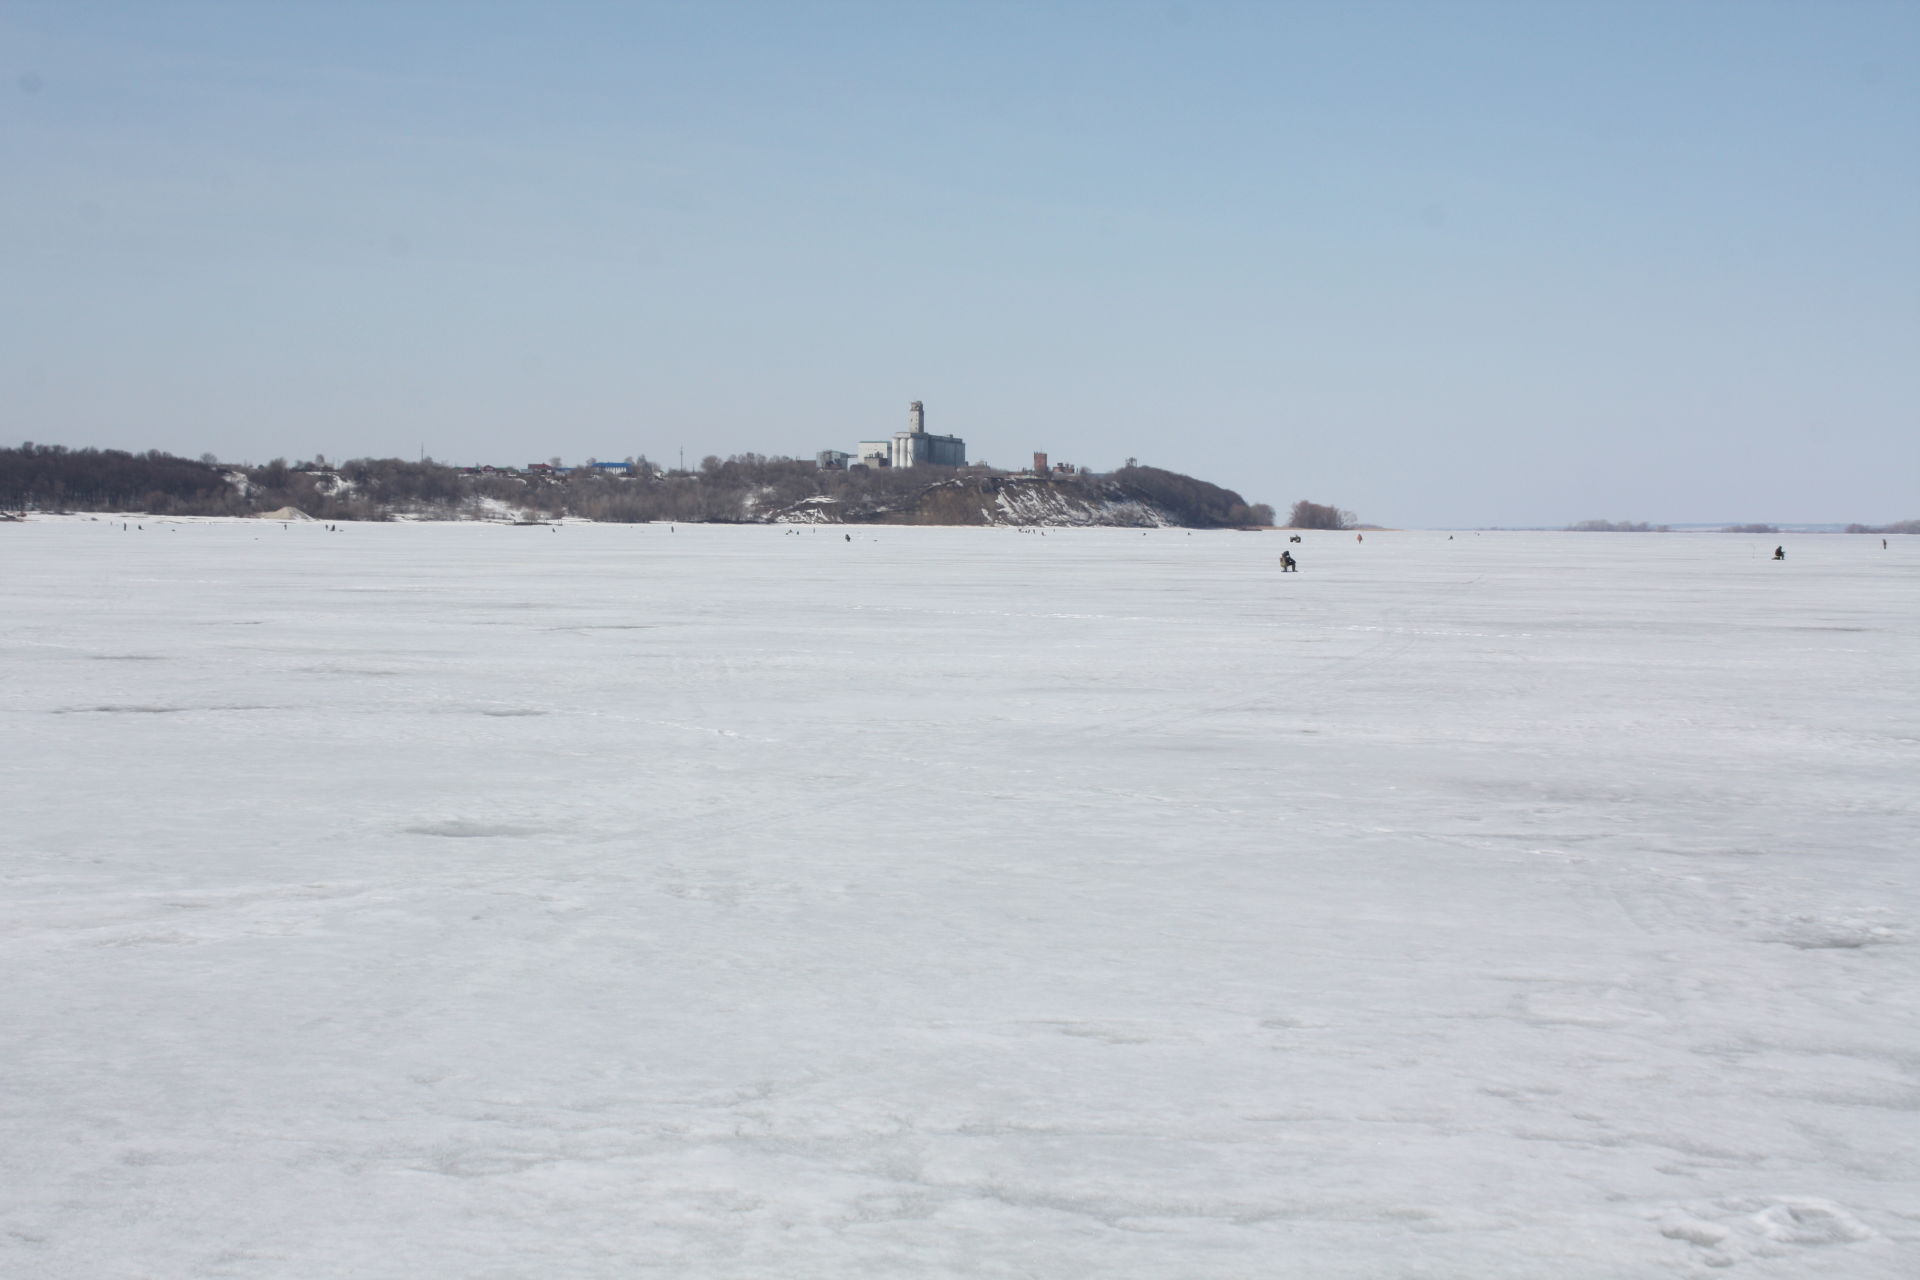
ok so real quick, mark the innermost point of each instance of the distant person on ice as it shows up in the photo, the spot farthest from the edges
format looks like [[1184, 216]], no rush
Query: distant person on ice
[[1288, 564], [1779, 553]]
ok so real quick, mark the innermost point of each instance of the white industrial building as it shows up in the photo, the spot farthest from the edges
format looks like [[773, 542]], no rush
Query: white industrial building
[[915, 448]]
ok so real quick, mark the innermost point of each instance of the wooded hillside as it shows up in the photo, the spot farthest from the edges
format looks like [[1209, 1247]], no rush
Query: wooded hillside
[[745, 488]]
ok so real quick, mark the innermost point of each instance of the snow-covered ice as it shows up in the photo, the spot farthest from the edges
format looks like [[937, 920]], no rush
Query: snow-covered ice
[[476, 902]]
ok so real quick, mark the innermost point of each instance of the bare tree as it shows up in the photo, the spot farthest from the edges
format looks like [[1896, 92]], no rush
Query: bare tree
[[1314, 515]]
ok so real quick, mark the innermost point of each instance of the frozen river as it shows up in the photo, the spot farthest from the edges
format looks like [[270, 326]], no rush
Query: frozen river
[[482, 902]]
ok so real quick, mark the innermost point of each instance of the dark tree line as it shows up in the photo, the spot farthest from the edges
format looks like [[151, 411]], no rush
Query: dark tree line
[[55, 478]]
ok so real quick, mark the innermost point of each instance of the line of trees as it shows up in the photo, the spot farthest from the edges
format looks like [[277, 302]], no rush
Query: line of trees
[[54, 477], [1616, 526]]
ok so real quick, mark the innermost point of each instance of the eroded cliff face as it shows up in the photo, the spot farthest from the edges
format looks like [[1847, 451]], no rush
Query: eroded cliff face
[[996, 500]]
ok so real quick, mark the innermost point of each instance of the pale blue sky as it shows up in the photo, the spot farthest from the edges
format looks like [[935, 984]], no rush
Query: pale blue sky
[[1441, 263]]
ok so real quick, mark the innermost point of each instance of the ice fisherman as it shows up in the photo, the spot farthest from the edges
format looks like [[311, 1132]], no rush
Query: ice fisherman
[[1288, 564], [1779, 553]]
